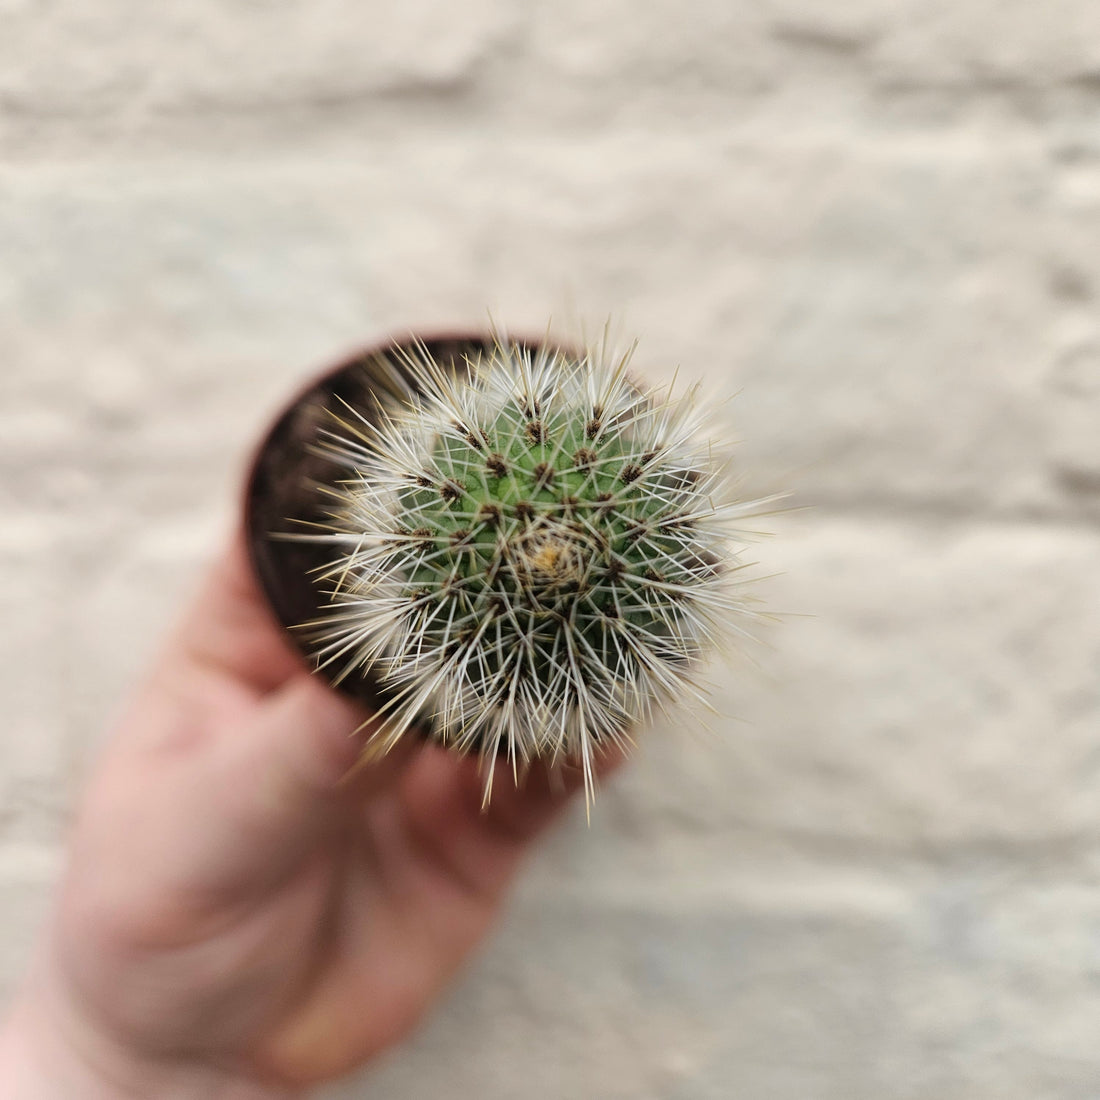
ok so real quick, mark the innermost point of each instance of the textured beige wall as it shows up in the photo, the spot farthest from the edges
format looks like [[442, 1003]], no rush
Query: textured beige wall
[[877, 220]]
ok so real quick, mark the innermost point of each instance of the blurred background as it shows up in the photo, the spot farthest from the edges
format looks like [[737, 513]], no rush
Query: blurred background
[[876, 222]]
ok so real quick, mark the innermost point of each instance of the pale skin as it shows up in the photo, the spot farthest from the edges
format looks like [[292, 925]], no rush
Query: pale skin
[[245, 913]]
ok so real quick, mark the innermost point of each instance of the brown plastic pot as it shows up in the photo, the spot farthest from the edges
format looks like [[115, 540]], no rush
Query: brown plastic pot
[[283, 486]]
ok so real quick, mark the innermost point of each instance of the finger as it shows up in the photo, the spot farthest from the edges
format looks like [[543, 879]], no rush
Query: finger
[[230, 628], [479, 845], [288, 778], [523, 805]]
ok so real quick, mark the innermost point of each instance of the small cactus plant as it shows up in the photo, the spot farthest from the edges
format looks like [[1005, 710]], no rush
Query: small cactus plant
[[529, 556]]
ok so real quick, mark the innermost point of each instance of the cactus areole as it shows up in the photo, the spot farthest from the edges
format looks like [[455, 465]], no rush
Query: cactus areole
[[516, 547]]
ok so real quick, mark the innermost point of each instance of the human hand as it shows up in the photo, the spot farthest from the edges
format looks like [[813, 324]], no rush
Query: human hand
[[239, 917]]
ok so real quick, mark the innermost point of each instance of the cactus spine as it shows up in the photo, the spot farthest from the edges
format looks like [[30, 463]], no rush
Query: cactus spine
[[532, 557]]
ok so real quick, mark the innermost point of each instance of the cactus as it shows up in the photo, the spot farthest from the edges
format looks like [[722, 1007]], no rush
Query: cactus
[[531, 556]]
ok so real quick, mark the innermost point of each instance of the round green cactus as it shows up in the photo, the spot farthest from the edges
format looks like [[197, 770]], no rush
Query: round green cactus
[[531, 557]]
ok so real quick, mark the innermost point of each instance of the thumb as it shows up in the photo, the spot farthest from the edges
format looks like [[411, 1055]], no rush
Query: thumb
[[288, 779]]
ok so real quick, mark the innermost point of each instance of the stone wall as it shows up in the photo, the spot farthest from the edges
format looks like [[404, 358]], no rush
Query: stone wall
[[878, 874]]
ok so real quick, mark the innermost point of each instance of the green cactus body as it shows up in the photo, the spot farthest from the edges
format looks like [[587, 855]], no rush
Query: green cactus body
[[532, 557]]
